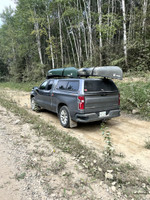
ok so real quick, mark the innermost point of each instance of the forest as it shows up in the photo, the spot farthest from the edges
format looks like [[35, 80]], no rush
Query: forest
[[44, 34]]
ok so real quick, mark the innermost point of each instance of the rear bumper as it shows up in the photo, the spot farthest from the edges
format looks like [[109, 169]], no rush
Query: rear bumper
[[91, 117]]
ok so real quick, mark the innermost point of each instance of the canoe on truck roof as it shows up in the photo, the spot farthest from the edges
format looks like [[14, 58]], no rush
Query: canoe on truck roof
[[71, 72], [113, 72]]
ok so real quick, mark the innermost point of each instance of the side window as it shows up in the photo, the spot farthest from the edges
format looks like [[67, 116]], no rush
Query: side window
[[43, 85], [62, 85], [50, 84], [73, 85]]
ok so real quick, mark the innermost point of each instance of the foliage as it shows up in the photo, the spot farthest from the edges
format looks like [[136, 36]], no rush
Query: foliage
[[135, 95], [147, 143], [109, 150], [139, 55], [34, 36]]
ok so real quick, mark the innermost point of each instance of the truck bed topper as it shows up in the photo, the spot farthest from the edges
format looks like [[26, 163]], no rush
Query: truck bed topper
[[113, 72]]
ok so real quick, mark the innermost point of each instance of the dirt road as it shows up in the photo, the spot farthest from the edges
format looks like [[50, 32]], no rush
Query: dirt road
[[32, 169], [128, 134]]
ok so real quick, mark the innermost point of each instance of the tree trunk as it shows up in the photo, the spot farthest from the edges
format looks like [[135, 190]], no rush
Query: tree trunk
[[90, 30], [88, 19], [79, 33], [60, 34], [130, 21], [75, 43], [70, 43], [36, 27], [108, 20], [51, 46], [144, 14], [124, 32], [99, 5], [85, 41]]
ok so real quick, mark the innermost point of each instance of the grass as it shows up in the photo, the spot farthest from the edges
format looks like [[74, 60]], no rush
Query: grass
[[135, 95], [147, 144], [125, 175], [20, 176], [26, 86]]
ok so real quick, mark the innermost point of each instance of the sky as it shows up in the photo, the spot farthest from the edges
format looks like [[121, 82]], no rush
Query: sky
[[4, 4]]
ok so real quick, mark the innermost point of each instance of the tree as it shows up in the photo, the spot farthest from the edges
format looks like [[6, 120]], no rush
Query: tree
[[124, 32]]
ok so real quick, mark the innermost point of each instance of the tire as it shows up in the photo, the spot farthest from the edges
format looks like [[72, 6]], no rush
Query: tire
[[34, 105], [64, 116]]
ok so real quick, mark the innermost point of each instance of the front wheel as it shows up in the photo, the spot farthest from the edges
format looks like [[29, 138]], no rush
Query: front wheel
[[64, 116]]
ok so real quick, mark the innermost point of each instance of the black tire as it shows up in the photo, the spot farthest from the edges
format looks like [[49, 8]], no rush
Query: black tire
[[34, 105], [64, 116]]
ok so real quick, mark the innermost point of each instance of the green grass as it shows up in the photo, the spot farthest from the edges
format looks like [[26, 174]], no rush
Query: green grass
[[147, 144], [27, 86], [135, 95]]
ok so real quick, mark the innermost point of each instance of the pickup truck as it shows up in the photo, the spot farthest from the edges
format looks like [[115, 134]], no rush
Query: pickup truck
[[77, 99]]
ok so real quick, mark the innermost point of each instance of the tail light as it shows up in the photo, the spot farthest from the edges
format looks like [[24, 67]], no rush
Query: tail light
[[81, 102], [119, 99]]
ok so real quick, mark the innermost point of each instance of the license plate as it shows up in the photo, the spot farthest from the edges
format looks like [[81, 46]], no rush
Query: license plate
[[102, 114]]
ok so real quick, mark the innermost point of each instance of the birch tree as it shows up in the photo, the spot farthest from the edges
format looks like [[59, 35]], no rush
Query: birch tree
[[60, 35], [144, 14], [99, 5], [68, 34], [37, 32], [87, 10], [50, 42], [124, 32]]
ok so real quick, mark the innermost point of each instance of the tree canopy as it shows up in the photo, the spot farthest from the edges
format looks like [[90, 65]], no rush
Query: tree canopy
[[44, 34]]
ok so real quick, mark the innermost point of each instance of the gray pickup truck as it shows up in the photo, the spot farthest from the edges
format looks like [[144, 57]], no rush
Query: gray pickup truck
[[77, 99]]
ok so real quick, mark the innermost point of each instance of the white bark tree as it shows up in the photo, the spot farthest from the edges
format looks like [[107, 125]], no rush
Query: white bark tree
[[87, 10], [51, 46], [75, 42], [124, 32], [38, 39], [99, 5], [90, 30], [144, 14], [68, 33], [60, 35]]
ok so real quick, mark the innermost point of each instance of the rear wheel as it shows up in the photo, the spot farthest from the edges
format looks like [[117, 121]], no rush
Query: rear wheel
[[64, 116], [34, 105]]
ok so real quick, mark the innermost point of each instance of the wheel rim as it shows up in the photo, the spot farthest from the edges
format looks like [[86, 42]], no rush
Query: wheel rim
[[32, 104], [64, 117]]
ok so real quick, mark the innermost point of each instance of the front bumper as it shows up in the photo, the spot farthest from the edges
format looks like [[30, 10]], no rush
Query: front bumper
[[91, 117]]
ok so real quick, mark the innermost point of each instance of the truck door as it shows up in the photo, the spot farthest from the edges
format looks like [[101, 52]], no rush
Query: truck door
[[44, 92]]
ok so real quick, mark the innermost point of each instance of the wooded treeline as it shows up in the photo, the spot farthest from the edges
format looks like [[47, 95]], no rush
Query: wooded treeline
[[44, 34]]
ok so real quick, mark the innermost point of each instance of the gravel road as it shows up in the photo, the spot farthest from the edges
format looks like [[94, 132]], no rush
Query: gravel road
[[32, 169]]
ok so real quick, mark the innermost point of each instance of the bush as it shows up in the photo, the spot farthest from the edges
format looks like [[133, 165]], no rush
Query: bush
[[135, 95]]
